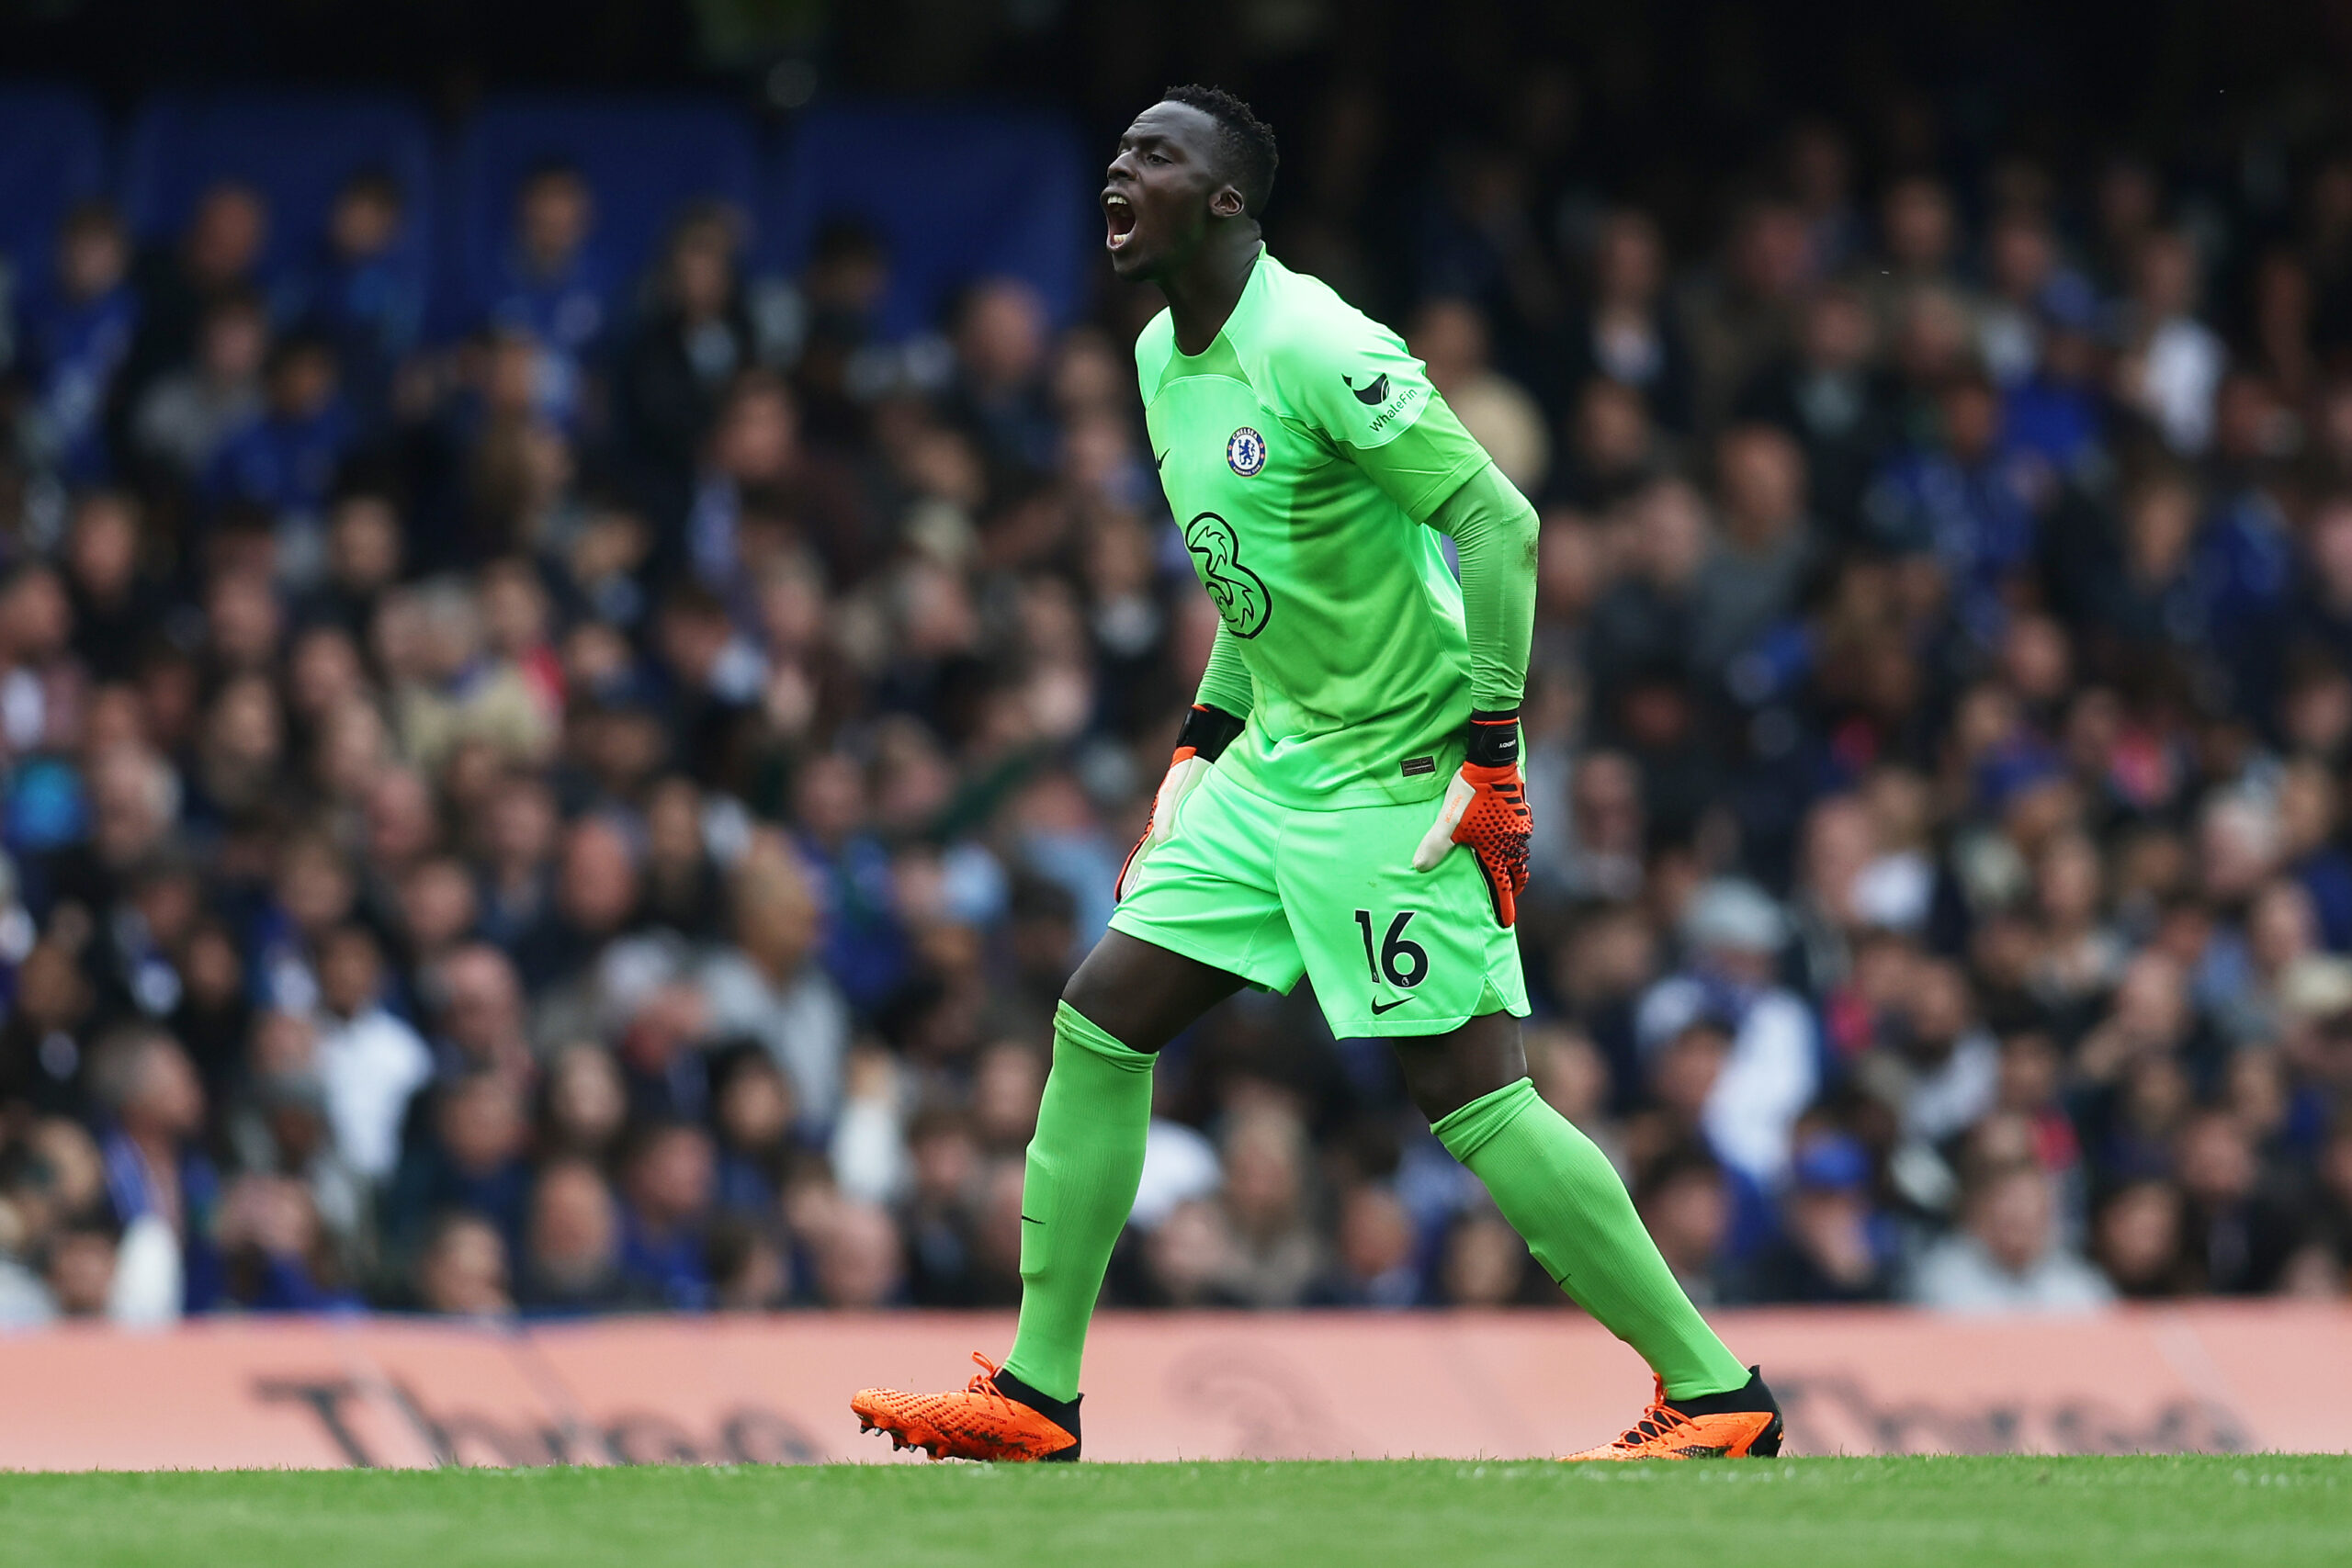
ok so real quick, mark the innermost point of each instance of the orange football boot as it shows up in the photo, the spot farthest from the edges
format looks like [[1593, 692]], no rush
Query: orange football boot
[[1744, 1422], [997, 1417]]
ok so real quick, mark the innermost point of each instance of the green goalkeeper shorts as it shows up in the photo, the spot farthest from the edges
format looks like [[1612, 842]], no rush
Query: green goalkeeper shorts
[[1270, 891]]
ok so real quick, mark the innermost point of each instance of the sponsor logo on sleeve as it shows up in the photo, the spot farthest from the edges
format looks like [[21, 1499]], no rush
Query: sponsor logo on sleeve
[[1378, 393]]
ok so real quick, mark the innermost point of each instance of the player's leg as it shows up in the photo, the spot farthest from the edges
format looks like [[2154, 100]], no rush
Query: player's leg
[[1126, 1001], [1559, 1191], [1203, 920], [1418, 958]]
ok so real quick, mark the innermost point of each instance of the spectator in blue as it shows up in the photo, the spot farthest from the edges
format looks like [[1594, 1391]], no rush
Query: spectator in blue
[[666, 1201], [552, 287], [152, 1103], [1000, 396], [1963, 499], [287, 460], [2310, 824], [74, 334], [1834, 1245], [864, 948], [364, 295], [754, 1112], [472, 1159], [2057, 413], [2244, 555], [276, 1255]]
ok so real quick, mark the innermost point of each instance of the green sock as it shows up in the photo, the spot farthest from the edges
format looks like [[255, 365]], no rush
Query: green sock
[[1562, 1194], [1085, 1164]]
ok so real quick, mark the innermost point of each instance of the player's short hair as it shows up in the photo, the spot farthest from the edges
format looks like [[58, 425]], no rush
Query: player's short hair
[[1248, 141]]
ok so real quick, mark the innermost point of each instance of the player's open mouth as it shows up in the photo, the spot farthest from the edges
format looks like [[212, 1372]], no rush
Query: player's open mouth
[[1119, 214]]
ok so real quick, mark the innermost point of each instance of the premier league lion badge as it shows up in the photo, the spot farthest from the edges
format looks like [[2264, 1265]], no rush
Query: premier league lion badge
[[1245, 452]]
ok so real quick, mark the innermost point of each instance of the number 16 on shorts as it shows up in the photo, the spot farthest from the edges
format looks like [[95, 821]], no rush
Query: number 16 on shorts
[[1402, 962]]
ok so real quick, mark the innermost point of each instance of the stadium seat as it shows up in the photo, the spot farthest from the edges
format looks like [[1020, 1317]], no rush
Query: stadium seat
[[645, 157], [957, 194], [53, 154], [296, 149]]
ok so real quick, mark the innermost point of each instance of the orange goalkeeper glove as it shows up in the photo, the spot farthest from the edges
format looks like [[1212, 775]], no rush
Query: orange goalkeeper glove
[[1485, 807], [1207, 733]]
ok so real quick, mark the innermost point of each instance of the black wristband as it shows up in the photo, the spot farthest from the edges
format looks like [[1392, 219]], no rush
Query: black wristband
[[1208, 732], [1492, 737]]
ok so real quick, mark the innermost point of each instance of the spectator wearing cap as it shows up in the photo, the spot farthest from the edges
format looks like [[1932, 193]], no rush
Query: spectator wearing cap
[[1834, 1245], [2008, 1257], [1734, 933]]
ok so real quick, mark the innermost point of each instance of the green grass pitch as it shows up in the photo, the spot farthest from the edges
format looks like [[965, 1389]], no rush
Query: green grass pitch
[[1821, 1513]]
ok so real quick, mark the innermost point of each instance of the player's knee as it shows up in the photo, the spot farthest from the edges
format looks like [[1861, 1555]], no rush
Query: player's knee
[[1445, 1072], [1099, 998]]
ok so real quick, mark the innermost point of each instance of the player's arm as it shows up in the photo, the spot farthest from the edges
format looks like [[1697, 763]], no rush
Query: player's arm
[[1216, 715], [1493, 529], [1366, 393]]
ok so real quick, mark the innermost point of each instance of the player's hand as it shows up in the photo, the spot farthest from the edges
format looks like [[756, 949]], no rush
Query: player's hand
[[1486, 808], [1207, 732]]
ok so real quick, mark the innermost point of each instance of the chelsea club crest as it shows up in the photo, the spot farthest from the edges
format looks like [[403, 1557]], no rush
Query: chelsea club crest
[[1245, 452]]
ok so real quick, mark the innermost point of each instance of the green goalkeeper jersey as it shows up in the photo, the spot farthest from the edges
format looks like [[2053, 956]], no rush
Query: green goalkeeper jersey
[[1300, 453]]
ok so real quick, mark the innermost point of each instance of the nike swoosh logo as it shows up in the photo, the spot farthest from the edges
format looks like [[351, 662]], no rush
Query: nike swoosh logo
[[1031, 1220], [1379, 1008], [1373, 393], [1161, 461]]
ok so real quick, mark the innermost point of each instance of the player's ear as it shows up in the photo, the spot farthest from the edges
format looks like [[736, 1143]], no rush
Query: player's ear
[[1226, 202]]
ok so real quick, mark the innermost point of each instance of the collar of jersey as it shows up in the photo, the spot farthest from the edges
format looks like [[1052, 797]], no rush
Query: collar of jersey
[[1219, 356]]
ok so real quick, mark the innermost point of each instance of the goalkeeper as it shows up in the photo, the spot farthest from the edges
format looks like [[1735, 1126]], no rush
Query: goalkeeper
[[1344, 802]]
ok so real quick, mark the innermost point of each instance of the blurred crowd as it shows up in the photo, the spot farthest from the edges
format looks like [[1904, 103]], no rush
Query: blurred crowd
[[592, 810]]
